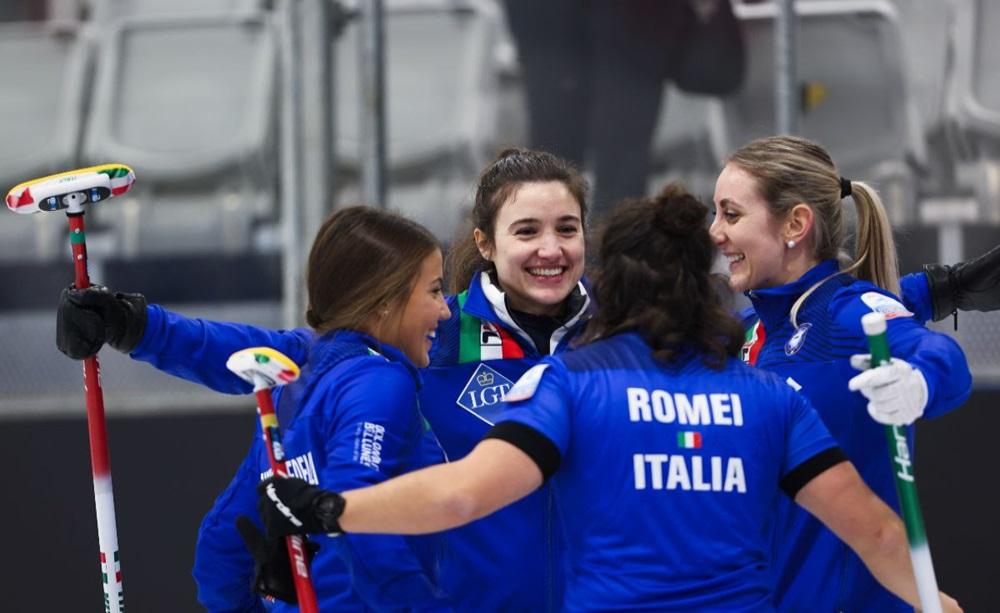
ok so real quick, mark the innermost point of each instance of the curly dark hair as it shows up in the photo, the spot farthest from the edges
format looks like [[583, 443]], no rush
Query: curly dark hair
[[655, 279]]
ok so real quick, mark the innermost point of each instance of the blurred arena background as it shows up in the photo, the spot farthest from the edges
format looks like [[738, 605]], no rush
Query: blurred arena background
[[247, 121]]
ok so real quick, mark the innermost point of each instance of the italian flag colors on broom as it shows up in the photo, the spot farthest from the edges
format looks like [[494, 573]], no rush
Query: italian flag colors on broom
[[480, 340]]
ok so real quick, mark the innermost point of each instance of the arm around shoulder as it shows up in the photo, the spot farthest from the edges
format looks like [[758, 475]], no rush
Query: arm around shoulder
[[197, 349]]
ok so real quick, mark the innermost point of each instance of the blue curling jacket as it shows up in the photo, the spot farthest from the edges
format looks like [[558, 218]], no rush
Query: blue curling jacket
[[508, 561], [668, 473], [352, 419], [815, 570]]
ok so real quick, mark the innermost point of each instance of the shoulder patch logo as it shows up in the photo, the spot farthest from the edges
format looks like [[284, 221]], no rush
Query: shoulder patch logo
[[527, 384], [483, 393], [798, 339], [887, 305]]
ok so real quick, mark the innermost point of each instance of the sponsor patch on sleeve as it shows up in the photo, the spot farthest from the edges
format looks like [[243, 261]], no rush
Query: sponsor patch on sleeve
[[888, 306], [526, 385]]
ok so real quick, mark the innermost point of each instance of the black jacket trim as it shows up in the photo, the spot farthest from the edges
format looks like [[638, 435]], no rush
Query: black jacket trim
[[536, 445], [805, 472]]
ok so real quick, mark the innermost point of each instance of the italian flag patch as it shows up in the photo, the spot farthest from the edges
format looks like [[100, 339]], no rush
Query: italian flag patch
[[689, 440]]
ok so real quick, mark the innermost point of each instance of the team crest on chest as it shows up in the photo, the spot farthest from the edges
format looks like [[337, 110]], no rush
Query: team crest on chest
[[483, 393], [798, 339]]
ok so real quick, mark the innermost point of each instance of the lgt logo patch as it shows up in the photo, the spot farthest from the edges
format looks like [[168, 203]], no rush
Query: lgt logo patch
[[483, 393]]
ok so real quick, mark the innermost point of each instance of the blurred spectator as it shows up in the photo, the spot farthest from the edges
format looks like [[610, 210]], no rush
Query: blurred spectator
[[594, 75], [22, 10]]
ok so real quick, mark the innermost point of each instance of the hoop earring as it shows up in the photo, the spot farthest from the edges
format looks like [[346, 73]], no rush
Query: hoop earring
[[791, 244]]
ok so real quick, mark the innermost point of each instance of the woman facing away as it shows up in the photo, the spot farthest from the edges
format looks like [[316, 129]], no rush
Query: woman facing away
[[666, 452], [780, 223]]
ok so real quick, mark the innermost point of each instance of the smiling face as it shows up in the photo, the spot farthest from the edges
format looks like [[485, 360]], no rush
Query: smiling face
[[747, 234], [413, 325], [538, 247]]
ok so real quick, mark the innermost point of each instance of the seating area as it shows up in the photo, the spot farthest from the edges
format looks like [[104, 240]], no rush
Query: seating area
[[43, 111], [194, 95], [442, 81], [190, 94]]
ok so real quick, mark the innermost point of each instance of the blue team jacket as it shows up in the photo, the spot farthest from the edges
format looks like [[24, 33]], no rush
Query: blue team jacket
[[815, 570], [668, 473], [352, 419], [510, 560], [505, 562]]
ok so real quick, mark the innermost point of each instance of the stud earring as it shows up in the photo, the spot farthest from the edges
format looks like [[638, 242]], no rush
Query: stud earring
[[791, 244]]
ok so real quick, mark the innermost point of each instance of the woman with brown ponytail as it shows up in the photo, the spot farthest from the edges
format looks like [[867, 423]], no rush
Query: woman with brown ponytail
[[780, 222]]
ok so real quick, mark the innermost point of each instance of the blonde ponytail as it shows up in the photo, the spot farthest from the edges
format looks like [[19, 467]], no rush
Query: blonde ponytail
[[790, 170], [875, 250]]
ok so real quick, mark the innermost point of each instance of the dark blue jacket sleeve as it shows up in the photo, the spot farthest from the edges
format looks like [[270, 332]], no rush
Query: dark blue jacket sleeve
[[916, 294], [936, 355], [378, 433], [197, 349], [223, 568]]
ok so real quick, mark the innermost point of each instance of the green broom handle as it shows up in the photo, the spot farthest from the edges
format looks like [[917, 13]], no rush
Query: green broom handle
[[906, 487]]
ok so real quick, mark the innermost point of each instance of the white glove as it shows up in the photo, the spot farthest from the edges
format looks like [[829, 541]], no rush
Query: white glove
[[896, 392]]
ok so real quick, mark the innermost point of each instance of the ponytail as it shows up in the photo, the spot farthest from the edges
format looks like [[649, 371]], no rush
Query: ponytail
[[874, 250], [790, 170]]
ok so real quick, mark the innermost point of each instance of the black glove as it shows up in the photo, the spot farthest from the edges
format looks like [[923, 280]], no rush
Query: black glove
[[293, 506], [272, 566], [88, 318], [966, 286]]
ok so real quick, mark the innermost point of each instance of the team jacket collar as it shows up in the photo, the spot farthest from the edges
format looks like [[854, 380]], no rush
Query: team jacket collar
[[773, 304], [325, 353], [486, 301], [337, 345]]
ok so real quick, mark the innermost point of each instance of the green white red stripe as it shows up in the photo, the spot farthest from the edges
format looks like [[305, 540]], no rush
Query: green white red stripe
[[689, 440], [481, 340], [107, 537], [117, 569], [753, 340]]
